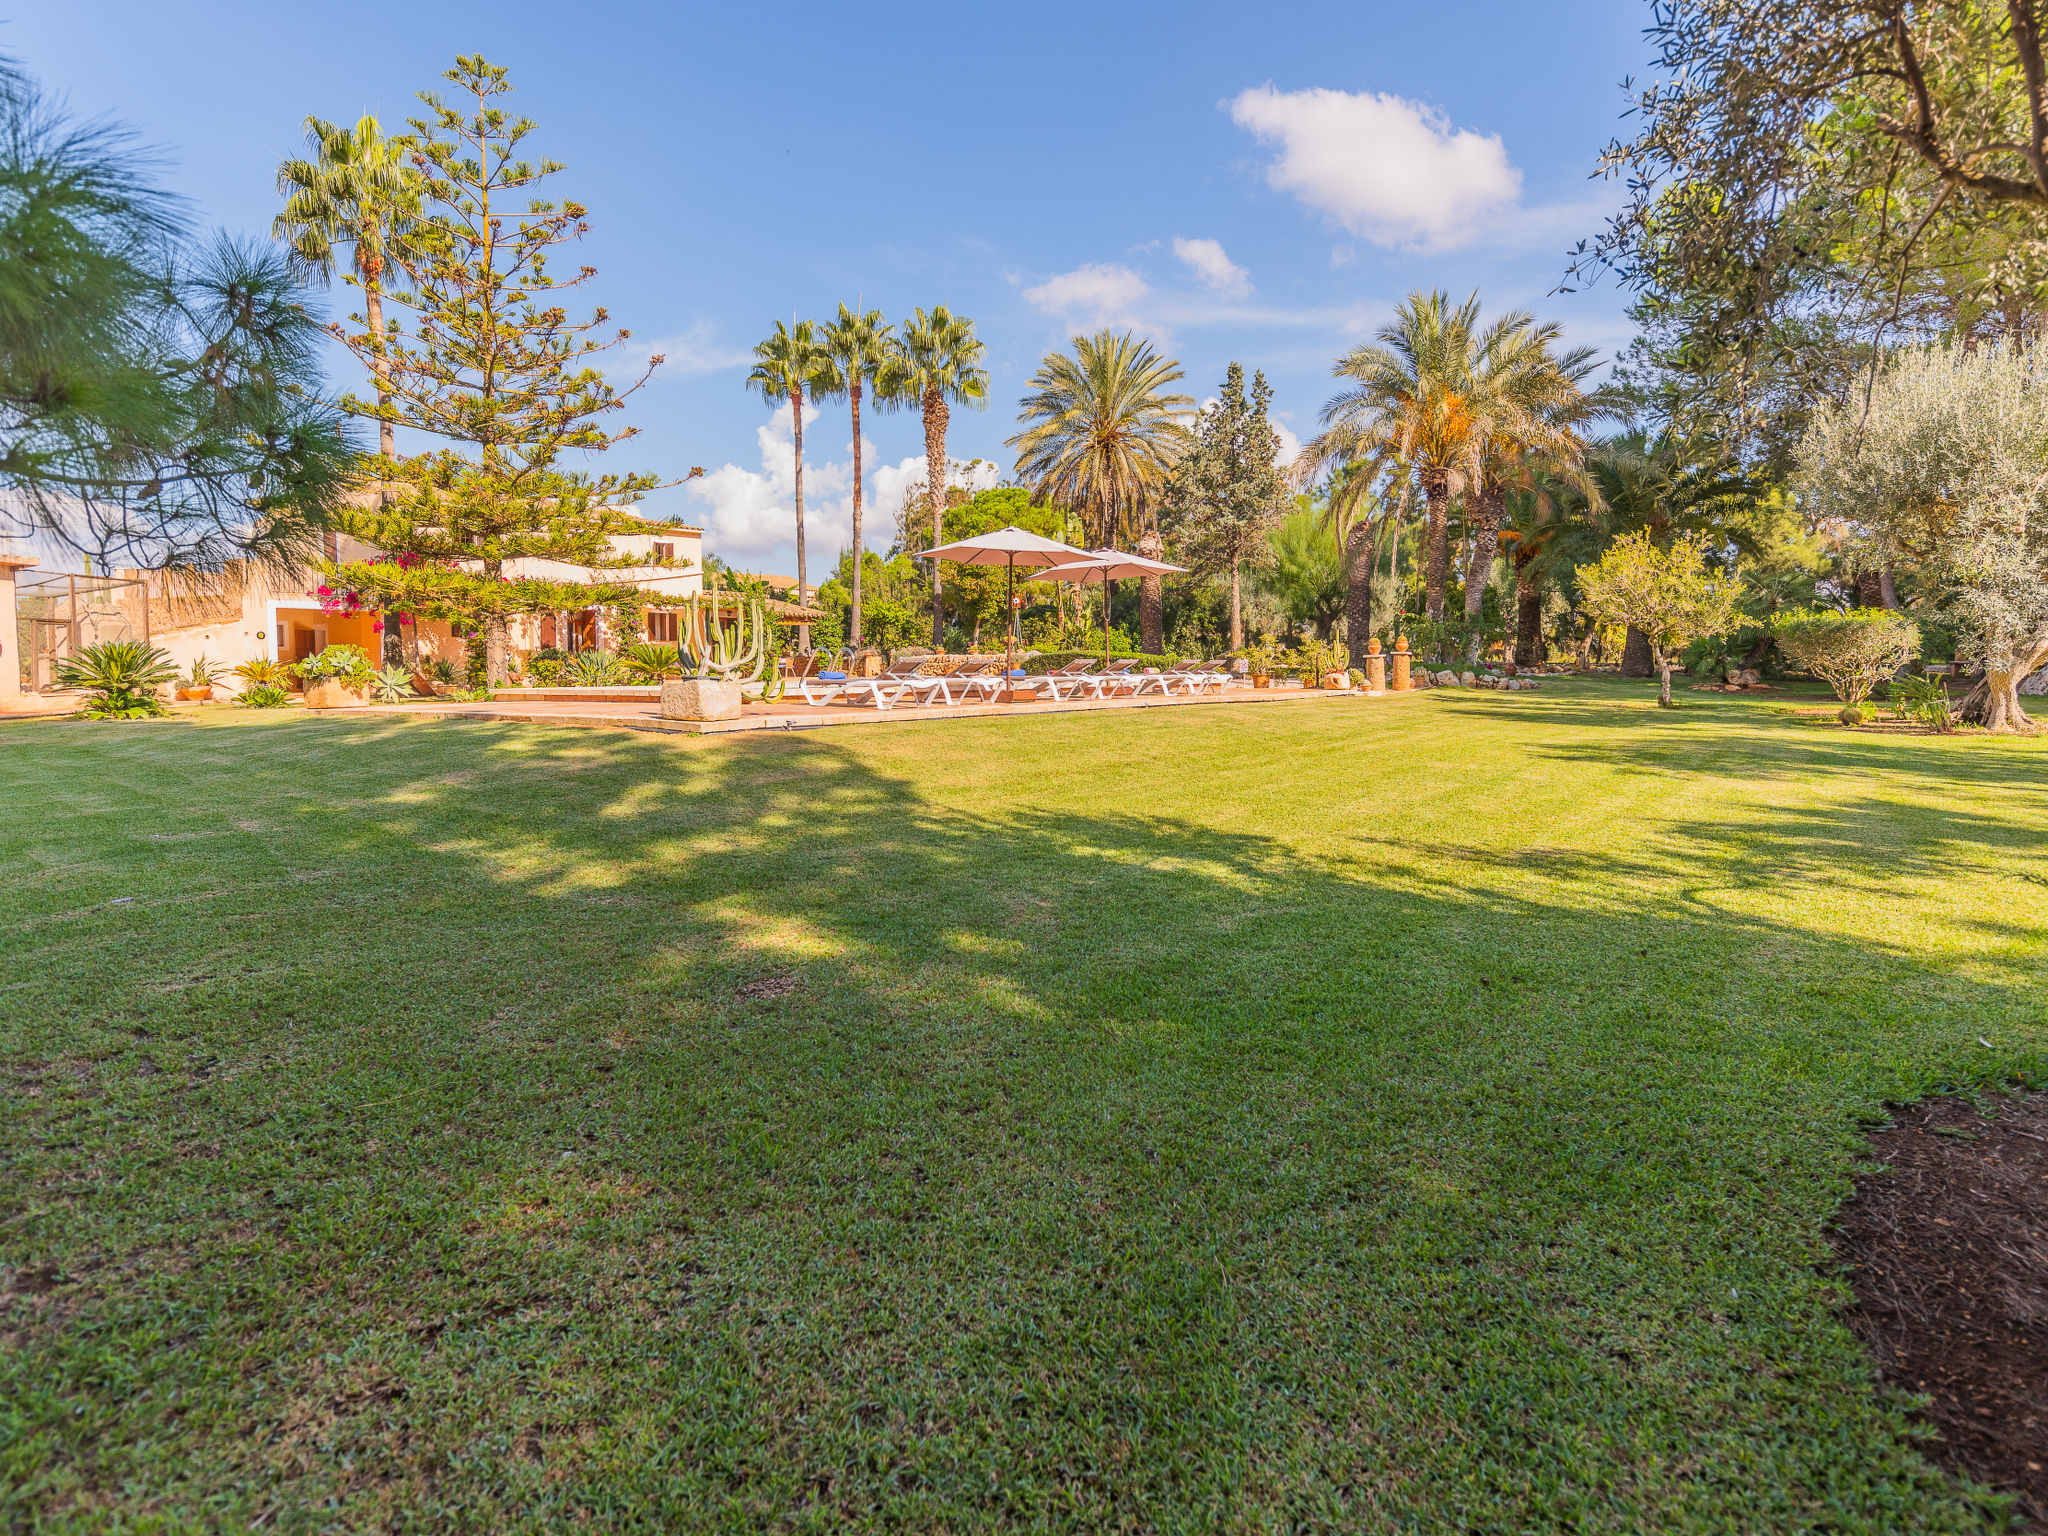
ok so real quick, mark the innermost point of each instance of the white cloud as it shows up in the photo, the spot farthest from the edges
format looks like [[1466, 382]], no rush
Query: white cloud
[[1290, 445], [1218, 273], [691, 352], [1103, 293], [751, 514], [1393, 171], [890, 481]]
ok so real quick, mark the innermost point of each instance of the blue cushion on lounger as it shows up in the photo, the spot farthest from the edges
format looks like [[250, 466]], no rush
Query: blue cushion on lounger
[[1017, 672], [833, 677]]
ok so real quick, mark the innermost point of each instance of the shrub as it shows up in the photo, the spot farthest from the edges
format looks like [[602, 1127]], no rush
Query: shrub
[[438, 669], [892, 625], [1855, 714], [1851, 652], [260, 671], [595, 669], [264, 696], [1924, 699], [120, 679], [201, 673], [1315, 659], [546, 671], [652, 661], [347, 664]]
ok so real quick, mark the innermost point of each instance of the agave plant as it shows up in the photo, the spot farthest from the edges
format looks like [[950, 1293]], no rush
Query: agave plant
[[654, 661], [392, 685], [120, 679], [594, 669]]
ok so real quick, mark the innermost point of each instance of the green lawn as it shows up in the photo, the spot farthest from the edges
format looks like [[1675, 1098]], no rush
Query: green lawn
[[1423, 1115]]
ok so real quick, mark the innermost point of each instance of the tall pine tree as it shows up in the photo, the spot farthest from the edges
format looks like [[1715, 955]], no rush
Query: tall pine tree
[[492, 362], [1227, 493]]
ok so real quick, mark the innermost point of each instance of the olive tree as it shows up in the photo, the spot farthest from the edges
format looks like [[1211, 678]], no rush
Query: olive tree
[[1949, 473], [1851, 652], [1673, 596]]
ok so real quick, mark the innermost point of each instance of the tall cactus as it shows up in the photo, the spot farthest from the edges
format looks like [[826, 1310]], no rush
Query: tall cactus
[[731, 653]]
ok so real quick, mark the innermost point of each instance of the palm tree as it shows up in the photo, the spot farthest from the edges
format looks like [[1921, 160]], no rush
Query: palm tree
[[1412, 402], [1537, 410], [787, 366], [1101, 435], [1357, 514], [1552, 528], [937, 363], [356, 189], [861, 349]]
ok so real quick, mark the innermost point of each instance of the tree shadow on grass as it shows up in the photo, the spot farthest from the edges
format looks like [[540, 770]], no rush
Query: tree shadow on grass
[[668, 1135]]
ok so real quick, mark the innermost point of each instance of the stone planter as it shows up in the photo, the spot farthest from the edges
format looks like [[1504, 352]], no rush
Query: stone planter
[[1262, 680], [333, 693], [699, 698]]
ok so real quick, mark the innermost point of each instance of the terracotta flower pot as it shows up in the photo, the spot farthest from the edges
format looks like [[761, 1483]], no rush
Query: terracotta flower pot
[[1372, 647], [1400, 642], [1262, 679], [333, 693], [196, 693]]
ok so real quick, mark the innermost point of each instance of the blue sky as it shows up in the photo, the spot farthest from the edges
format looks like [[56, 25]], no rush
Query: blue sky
[[1237, 182]]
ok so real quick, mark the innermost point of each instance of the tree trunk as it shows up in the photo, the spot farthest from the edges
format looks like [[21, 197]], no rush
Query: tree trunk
[[1528, 614], [1360, 556], [494, 634], [2002, 708], [796, 423], [1236, 606], [1436, 492], [1663, 679], [1870, 590], [935, 414], [1636, 660], [853, 608], [1482, 524], [387, 433], [1151, 597], [1886, 591]]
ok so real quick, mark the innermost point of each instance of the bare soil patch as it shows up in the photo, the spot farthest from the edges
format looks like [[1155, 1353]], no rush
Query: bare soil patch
[[1948, 1255]]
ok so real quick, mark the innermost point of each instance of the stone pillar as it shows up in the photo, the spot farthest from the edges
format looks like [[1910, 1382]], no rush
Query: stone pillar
[[1376, 672], [1402, 681], [10, 629]]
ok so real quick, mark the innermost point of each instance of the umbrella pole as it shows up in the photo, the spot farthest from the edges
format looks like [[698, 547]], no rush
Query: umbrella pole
[[1010, 650], [1106, 589]]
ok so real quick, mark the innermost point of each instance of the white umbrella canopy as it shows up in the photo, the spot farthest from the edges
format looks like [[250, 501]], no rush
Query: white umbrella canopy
[[1011, 547], [1107, 565]]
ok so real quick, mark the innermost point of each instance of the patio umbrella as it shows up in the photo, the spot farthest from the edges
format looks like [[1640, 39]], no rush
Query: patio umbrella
[[1111, 565], [1010, 547]]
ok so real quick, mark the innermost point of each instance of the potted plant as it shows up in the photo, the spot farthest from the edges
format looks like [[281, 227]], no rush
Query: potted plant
[[1372, 646], [1260, 659], [198, 682], [339, 677]]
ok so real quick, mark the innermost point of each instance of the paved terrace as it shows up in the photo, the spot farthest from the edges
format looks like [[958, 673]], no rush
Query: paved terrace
[[639, 709]]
